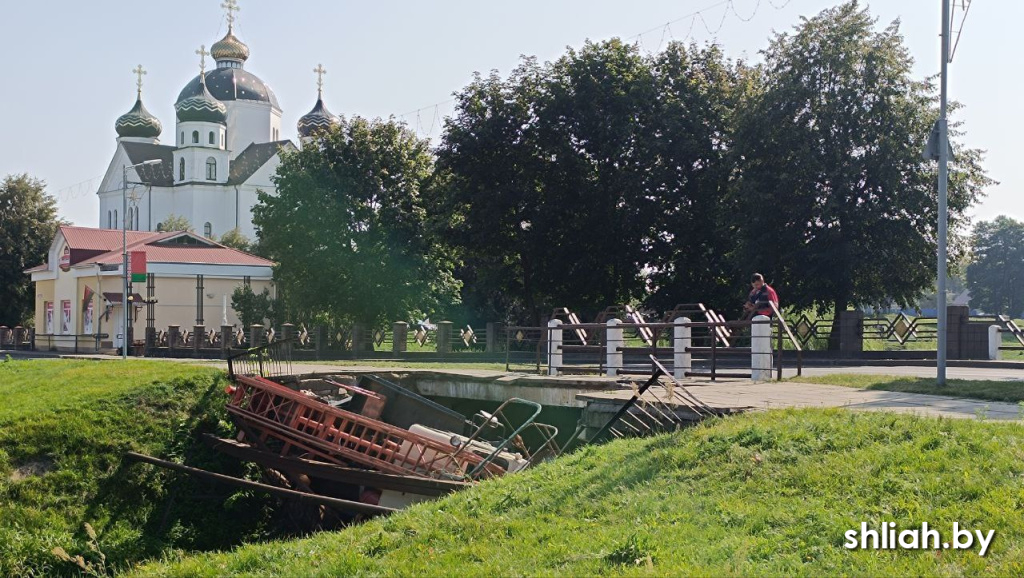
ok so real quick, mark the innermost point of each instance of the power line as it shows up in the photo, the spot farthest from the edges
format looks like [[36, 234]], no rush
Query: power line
[[727, 6], [965, 5], [77, 190]]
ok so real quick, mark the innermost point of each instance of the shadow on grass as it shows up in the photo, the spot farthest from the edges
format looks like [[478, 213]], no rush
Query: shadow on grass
[[171, 509], [988, 390]]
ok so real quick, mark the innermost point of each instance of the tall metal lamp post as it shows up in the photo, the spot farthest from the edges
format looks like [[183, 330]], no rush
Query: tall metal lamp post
[[124, 251]]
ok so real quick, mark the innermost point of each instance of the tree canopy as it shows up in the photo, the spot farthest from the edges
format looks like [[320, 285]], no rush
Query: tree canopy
[[253, 308], [833, 199], [348, 231], [236, 240], [175, 223], [995, 275], [589, 181], [609, 176], [28, 224]]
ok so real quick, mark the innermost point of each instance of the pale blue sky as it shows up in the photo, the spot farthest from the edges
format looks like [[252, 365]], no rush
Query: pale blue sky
[[67, 65]]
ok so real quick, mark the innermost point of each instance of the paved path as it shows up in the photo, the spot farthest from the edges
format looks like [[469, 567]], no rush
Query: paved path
[[985, 373], [789, 394], [769, 395]]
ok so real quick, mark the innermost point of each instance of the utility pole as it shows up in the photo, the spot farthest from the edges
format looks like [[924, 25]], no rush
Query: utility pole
[[940, 377]]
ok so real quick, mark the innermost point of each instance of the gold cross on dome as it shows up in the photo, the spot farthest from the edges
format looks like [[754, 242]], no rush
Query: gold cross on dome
[[202, 58], [138, 70], [320, 72], [231, 6]]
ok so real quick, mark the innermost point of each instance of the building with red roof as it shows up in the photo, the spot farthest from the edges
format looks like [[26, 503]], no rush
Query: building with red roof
[[189, 281]]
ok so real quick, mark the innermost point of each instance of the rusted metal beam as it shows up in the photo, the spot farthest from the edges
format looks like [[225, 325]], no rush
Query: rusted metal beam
[[334, 473], [345, 505]]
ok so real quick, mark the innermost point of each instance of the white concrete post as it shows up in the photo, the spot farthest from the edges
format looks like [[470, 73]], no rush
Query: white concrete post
[[995, 339], [761, 349], [682, 360], [613, 342], [554, 346]]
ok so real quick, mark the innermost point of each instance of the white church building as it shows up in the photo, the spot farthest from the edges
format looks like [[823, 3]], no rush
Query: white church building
[[226, 146]]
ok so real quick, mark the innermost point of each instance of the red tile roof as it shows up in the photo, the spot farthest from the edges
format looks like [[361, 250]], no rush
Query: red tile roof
[[157, 246], [101, 239], [208, 253]]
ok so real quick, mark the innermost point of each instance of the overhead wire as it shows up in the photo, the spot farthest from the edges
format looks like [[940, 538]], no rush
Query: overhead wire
[[727, 6]]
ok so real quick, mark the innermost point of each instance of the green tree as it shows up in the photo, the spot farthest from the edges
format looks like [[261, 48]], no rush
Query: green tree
[[236, 240], [253, 308], [28, 224], [589, 181], [995, 275], [688, 169], [348, 229], [175, 223], [834, 201]]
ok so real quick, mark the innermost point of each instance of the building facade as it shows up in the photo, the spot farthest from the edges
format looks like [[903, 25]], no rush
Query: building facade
[[79, 290]]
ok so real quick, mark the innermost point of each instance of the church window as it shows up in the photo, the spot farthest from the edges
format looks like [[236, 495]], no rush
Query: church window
[[181, 170], [130, 220], [182, 141], [160, 227], [195, 137], [207, 229], [115, 219], [136, 218], [211, 169], [211, 138], [110, 220]]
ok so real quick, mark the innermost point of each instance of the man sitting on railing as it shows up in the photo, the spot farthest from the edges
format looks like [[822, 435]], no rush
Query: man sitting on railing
[[760, 299]]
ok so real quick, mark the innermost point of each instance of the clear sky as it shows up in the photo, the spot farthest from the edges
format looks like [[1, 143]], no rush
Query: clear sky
[[67, 65]]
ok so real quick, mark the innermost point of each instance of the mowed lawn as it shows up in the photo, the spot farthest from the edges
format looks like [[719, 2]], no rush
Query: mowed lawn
[[768, 493], [989, 390], [50, 385], [65, 426]]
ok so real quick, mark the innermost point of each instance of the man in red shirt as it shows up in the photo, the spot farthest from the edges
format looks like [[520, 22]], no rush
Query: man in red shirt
[[758, 300]]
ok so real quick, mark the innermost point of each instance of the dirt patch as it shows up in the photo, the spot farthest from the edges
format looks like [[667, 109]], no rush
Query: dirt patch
[[33, 468]]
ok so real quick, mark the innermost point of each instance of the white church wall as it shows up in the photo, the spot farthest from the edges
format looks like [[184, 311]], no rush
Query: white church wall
[[110, 188], [214, 205], [171, 200], [249, 122]]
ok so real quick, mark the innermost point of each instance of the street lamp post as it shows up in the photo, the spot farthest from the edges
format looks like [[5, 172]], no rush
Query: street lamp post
[[124, 251], [940, 303]]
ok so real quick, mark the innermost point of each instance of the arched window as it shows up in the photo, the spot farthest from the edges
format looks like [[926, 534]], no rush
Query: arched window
[[211, 138], [131, 218], [160, 227], [116, 222], [181, 170], [136, 218], [195, 137], [211, 169], [207, 229], [110, 220], [182, 141]]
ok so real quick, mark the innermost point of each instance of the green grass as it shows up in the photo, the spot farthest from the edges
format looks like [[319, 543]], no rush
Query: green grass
[[768, 493], [69, 423], [989, 390]]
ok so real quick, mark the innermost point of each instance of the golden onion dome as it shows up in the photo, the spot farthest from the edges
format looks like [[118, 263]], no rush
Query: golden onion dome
[[229, 48]]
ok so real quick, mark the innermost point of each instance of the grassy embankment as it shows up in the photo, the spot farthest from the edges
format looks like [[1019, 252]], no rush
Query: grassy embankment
[[988, 390], [769, 493], [64, 427]]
